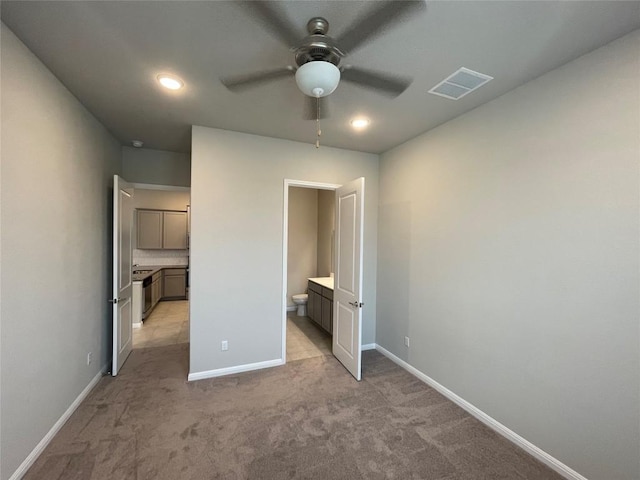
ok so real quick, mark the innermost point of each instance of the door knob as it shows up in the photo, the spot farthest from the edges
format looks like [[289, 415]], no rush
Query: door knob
[[115, 301]]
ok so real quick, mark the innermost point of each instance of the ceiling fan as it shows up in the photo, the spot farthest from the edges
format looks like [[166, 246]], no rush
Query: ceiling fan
[[318, 68]]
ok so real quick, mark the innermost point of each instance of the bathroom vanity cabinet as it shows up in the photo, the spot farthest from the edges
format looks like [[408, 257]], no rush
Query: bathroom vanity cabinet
[[320, 302]]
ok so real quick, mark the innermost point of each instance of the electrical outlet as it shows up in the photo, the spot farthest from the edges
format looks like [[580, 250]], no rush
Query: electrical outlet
[[224, 346], [406, 342], [89, 358]]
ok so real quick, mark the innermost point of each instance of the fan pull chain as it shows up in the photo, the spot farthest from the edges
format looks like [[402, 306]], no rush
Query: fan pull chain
[[318, 121]]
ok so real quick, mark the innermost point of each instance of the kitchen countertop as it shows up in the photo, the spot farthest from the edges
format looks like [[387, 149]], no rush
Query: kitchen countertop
[[326, 282], [152, 269]]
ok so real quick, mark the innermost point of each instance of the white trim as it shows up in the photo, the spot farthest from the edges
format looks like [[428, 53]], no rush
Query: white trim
[[305, 184], [220, 372], [153, 186], [291, 308], [37, 451], [285, 245], [492, 423], [368, 346]]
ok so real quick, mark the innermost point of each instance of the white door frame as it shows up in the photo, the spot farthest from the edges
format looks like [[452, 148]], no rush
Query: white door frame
[[285, 245]]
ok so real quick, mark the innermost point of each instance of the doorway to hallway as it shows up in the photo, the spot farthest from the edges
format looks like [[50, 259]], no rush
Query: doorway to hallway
[[168, 324]]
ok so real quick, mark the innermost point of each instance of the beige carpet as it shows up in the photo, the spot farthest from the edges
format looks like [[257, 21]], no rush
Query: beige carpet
[[306, 420]]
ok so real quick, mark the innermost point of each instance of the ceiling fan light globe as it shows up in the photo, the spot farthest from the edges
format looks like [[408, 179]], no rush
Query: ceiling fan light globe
[[317, 79]]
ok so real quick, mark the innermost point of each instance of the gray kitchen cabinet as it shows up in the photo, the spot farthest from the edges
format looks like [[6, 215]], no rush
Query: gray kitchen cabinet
[[161, 229], [156, 288], [175, 283], [149, 229], [174, 231]]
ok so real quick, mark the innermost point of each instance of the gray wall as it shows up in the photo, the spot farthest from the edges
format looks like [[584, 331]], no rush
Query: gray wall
[[57, 184], [161, 199], [508, 252], [159, 167], [237, 195], [326, 228], [302, 247]]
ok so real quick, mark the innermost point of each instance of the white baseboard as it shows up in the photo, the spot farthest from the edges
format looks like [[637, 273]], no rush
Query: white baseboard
[[136, 324], [219, 372], [492, 423], [291, 308], [37, 451]]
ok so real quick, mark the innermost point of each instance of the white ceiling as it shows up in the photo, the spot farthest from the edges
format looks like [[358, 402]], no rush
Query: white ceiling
[[108, 54]]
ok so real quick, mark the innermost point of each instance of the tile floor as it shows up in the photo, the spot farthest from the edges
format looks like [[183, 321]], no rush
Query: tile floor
[[168, 324], [305, 339]]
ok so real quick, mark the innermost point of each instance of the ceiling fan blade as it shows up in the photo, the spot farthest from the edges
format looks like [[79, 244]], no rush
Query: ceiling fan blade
[[376, 21], [311, 108], [384, 83], [274, 20], [241, 82]]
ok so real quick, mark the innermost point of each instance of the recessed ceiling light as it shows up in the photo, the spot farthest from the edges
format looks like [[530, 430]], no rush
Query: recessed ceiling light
[[170, 82], [137, 143], [360, 123]]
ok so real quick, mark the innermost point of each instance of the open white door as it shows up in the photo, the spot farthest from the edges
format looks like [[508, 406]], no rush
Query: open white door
[[122, 281], [347, 303]]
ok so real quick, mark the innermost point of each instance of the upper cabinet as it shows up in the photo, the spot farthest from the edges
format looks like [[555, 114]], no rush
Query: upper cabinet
[[150, 229], [174, 231], [159, 229]]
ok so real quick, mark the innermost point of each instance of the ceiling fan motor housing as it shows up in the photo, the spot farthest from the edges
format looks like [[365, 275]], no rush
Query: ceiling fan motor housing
[[317, 48]]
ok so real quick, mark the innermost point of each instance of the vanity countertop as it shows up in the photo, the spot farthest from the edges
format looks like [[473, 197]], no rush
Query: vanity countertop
[[326, 282]]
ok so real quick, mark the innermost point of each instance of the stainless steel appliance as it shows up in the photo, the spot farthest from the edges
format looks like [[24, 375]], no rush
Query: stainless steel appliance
[[146, 288]]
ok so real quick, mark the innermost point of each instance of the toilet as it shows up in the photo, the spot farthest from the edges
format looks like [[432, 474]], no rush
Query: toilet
[[301, 301]]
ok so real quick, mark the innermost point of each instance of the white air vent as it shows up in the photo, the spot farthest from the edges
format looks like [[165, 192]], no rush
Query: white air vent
[[459, 83]]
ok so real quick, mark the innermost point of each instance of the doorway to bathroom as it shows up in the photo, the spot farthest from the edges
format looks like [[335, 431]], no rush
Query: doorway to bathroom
[[310, 219], [337, 310]]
